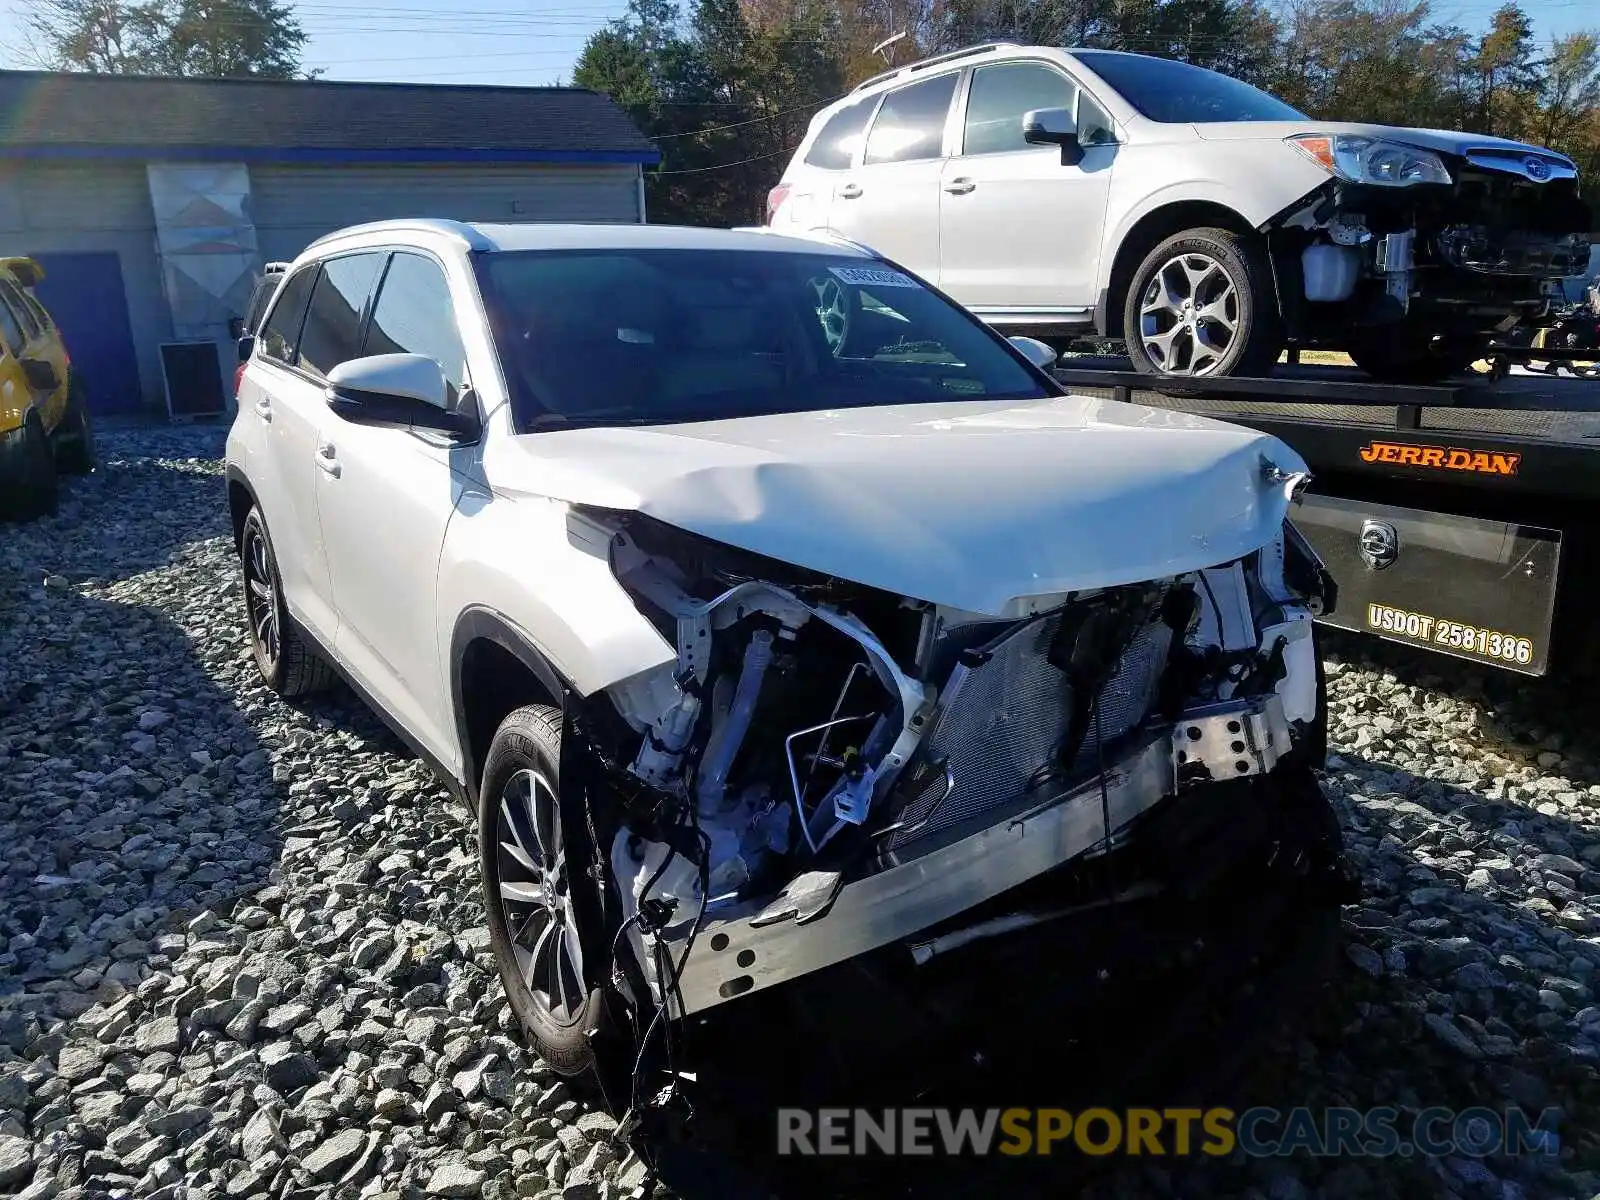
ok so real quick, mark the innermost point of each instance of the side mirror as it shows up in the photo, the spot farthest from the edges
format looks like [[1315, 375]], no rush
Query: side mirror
[[236, 328], [1053, 127], [1035, 351], [41, 376], [403, 391], [247, 347]]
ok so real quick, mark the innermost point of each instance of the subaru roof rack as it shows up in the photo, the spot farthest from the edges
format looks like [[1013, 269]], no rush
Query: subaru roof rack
[[964, 52]]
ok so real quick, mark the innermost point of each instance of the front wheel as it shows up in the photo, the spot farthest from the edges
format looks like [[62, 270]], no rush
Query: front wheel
[[528, 880], [1202, 304]]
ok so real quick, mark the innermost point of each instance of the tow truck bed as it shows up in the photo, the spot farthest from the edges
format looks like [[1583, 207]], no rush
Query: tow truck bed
[[1462, 518]]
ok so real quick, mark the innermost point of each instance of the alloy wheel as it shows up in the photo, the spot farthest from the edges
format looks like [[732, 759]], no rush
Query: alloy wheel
[[261, 593], [535, 896], [1189, 315]]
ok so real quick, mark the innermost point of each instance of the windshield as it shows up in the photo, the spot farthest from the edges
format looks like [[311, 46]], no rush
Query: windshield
[[625, 336], [1176, 93]]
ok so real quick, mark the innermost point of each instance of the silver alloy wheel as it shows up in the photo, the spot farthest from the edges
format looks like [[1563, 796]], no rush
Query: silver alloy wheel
[[540, 922], [832, 310], [261, 593], [1189, 316]]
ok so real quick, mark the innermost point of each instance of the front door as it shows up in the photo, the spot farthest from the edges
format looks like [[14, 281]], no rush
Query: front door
[[386, 496], [1019, 233]]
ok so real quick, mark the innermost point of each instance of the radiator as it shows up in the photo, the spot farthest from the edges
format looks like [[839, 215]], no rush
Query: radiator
[[1001, 721]]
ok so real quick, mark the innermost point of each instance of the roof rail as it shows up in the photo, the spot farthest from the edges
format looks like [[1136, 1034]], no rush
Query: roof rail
[[460, 230], [948, 56]]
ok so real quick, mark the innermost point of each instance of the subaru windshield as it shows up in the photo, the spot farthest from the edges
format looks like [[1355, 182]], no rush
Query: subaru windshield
[[1177, 93], [629, 336]]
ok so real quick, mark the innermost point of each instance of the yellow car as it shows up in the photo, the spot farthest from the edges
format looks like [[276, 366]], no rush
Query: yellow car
[[44, 415]]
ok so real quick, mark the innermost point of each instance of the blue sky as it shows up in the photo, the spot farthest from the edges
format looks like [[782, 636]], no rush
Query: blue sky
[[537, 41]]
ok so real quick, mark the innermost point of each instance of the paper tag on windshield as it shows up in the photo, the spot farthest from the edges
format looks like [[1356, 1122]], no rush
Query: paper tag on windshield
[[874, 277]]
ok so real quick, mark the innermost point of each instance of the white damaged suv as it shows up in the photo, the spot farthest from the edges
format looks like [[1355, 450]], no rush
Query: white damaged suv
[[1197, 218], [770, 610]]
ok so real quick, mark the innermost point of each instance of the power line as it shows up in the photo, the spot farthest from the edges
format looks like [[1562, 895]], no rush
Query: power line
[[723, 166], [783, 112]]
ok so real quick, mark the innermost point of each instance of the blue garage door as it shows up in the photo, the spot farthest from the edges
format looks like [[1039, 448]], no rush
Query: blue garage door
[[84, 294]]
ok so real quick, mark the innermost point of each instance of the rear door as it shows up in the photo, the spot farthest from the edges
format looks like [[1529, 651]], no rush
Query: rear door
[[833, 151], [891, 201], [1019, 233], [314, 324]]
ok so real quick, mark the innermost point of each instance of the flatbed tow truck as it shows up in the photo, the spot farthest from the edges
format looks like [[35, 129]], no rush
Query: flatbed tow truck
[[1464, 518]]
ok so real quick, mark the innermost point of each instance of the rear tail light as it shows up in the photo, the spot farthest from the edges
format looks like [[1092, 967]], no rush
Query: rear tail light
[[775, 199]]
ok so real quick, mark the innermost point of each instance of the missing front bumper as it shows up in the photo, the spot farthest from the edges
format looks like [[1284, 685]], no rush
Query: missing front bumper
[[824, 921]]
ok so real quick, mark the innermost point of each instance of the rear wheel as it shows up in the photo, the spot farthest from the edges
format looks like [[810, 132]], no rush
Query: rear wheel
[[75, 453], [288, 664], [29, 486], [1201, 304]]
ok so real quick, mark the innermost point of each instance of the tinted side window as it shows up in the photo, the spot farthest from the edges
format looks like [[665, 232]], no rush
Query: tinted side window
[[17, 301], [281, 334], [332, 332], [11, 337], [258, 300], [1094, 127], [910, 125], [835, 146], [1001, 94], [41, 318], [414, 316]]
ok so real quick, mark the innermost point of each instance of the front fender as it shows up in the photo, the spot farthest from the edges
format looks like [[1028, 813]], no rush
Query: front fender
[[515, 557]]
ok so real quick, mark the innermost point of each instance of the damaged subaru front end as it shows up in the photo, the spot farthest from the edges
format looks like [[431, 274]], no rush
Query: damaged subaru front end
[[1420, 234]]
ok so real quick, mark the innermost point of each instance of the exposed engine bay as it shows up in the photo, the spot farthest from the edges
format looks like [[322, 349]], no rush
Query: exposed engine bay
[[1475, 253], [825, 769]]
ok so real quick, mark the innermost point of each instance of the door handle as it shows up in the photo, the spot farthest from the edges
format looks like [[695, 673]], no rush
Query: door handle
[[264, 409], [959, 186], [326, 459], [850, 191]]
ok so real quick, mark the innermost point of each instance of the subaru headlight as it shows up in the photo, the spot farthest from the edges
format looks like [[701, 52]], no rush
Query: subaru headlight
[[1371, 160]]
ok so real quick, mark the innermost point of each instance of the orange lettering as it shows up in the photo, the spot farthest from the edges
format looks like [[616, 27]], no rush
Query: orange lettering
[[1391, 452], [1432, 456], [1506, 464], [1369, 452], [1459, 460]]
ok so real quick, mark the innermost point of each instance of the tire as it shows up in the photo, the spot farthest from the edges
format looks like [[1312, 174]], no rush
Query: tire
[[288, 664], [1212, 277], [1405, 355], [29, 487], [75, 453], [533, 927]]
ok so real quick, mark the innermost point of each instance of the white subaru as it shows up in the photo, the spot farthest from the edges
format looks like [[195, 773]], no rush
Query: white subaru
[[1204, 222], [770, 610]]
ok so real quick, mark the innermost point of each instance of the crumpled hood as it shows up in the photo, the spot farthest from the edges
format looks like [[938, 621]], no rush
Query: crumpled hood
[[1442, 141], [975, 505]]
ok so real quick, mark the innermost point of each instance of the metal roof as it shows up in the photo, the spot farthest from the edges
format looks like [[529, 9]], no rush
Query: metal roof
[[54, 114]]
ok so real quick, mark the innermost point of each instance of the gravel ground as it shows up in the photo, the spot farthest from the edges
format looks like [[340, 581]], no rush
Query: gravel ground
[[242, 955]]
